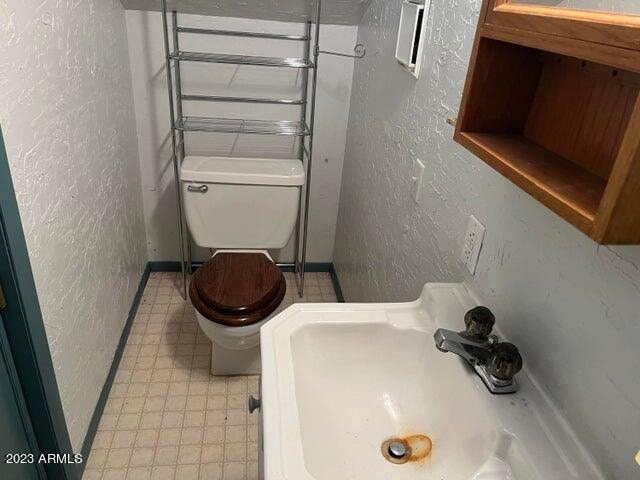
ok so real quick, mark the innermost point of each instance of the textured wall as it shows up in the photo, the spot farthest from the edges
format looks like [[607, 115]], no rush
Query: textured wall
[[150, 93], [570, 305], [68, 120]]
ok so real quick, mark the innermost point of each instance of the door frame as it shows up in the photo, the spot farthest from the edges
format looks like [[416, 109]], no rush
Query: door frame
[[27, 337]]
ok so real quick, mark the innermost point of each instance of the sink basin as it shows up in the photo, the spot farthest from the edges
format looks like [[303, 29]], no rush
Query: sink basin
[[341, 382]]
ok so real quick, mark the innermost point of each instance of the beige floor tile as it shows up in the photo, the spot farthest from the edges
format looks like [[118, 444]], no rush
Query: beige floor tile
[[169, 436], [192, 436], [163, 473], [178, 388], [133, 405], [188, 472], [118, 390], [108, 421], [233, 471], [235, 452], [189, 454], [118, 457], [128, 421], [215, 417], [216, 402], [175, 403], [113, 405], [212, 453], [115, 474], [92, 474], [193, 419], [237, 385], [235, 434], [136, 390], [236, 417], [97, 458], [236, 401], [198, 388], [142, 456], [158, 389], [252, 433], [172, 419], [211, 471], [102, 439], [252, 470], [166, 455], [154, 404], [214, 434], [144, 363], [196, 403], [139, 473], [252, 451], [166, 417], [123, 439], [147, 438], [150, 420]]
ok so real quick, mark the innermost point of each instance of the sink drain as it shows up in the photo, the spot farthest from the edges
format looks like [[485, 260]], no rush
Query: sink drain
[[409, 449], [396, 450]]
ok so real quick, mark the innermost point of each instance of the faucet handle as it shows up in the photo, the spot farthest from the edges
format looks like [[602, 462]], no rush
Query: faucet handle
[[479, 322], [505, 361]]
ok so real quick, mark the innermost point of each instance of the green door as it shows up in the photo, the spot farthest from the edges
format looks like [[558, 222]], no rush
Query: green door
[[19, 455]]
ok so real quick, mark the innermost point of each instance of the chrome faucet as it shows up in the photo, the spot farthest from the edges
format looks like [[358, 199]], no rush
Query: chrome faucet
[[494, 361]]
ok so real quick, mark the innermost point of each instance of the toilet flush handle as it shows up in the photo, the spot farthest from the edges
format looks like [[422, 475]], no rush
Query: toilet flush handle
[[199, 189]]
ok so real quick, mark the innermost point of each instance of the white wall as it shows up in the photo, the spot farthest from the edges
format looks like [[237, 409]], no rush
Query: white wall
[[68, 122], [151, 103], [570, 305]]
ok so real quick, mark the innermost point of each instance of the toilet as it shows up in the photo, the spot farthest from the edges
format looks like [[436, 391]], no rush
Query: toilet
[[241, 208]]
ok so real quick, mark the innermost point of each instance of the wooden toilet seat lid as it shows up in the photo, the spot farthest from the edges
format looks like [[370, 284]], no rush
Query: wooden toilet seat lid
[[241, 320], [238, 284]]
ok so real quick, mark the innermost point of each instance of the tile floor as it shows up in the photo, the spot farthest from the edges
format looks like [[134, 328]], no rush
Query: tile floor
[[166, 416]]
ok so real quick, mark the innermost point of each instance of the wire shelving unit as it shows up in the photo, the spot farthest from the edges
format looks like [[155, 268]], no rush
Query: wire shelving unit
[[180, 123]]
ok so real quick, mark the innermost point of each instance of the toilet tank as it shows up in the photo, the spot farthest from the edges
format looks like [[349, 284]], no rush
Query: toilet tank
[[241, 202]]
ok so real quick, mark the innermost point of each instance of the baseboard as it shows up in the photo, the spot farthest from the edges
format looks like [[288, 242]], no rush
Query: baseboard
[[170, 266], [311, 267], [166, 266], [336, 284], [102, 400]]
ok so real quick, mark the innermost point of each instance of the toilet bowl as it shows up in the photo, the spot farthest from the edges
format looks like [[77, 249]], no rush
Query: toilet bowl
[[234, 294], [240, 207]]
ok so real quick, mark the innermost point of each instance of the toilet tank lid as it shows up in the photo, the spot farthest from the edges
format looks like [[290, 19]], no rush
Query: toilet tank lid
[[244, 171]]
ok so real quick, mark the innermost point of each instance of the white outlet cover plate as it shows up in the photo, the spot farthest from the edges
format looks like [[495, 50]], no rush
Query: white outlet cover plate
[[472, 244]]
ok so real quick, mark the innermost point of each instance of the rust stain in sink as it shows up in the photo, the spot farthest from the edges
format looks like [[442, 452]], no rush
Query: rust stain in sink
[[417, 448]]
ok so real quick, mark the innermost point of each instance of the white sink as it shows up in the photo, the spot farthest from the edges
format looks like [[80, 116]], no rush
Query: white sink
[[341, 379]]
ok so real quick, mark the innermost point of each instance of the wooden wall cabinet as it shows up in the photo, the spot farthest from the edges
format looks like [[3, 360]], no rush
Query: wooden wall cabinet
[[552, 102]]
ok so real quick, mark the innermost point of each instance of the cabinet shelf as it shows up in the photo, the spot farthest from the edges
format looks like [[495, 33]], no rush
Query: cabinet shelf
[[565, 187], [563, 128]]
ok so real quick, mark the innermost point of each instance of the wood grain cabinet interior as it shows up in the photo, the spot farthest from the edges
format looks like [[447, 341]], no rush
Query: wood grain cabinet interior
[[552, 102]]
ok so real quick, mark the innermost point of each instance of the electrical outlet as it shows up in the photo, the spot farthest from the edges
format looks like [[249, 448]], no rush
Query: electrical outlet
[[472, 244]]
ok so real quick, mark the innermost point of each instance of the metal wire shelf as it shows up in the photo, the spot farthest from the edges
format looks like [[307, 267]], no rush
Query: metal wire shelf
[[235, 125], [219, 98], [241, 59], [235, 33], [181, 123]]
